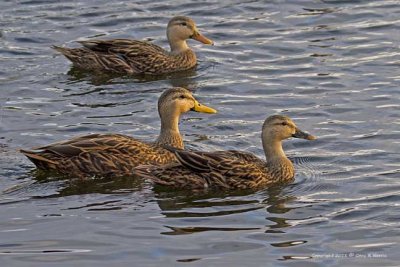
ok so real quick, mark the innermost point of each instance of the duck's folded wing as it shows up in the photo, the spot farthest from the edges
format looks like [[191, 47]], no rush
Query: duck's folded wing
[[85, 143], [120, 46], [130, 56], [224, 162], [194, 160], [229, 169], [94, 153]]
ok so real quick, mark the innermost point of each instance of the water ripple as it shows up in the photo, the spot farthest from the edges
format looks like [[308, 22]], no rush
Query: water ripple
[[331, 65]]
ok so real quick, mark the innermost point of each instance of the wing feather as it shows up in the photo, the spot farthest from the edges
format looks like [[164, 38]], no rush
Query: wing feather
[[98, 155]]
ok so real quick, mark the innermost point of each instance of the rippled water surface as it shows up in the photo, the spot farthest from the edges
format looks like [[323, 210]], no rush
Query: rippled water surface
[[331, 65]]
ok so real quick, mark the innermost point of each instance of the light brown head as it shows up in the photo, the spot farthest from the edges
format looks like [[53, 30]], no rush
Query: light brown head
[[279, 127], [176, 101], [171, 104], [181, 28]]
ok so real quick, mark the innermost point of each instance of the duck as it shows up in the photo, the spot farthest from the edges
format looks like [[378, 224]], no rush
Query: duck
[[126, 56], [231, 169], [116, 155]]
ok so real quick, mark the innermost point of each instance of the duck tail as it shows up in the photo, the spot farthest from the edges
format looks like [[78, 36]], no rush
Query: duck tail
[[73, 54], [60, 49], [39, 160]]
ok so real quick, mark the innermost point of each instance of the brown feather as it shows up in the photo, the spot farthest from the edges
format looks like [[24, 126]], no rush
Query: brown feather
[[231, 169], [117, 154], [135, 57]]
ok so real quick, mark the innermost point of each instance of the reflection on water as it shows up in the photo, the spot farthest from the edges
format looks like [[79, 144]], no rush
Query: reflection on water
[[331, 65], [180, 79]]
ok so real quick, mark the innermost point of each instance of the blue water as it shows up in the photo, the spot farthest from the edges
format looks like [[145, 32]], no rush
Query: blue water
[[333, 66]]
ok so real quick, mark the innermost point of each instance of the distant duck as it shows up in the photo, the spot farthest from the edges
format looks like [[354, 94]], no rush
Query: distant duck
[[138, 57], [231, 169], [117, 154]]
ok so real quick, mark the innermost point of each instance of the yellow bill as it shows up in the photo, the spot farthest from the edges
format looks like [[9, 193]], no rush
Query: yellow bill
[[202, 108], [201, 38]]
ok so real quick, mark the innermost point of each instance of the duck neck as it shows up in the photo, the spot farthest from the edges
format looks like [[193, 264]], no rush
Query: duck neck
[[273, 150], [177, 45], [169, 133], [278, 165]]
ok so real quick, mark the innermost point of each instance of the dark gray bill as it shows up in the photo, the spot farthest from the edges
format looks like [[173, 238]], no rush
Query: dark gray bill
[[303, 135]]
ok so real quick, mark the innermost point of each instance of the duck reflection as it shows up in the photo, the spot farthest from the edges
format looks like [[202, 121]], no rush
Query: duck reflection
[[214, 204], [194, 208], [175, 204], [184, 79], [77, 186]]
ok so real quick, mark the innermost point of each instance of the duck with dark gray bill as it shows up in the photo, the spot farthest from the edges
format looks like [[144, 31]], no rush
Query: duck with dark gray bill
[[128, 56], [232, 169], [117, 154]]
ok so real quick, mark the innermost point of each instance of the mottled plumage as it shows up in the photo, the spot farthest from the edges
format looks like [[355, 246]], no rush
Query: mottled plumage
[[139, 57], [117, 154], [231, 169]]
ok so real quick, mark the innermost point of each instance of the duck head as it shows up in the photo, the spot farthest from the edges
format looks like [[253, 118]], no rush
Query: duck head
[[275, 129], [279, 127], [181, 28], [171, 104], [176, 101]]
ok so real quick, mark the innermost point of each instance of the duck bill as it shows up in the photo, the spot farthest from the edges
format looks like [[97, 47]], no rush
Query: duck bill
[[201, 38], [303, 135], [202, 108]]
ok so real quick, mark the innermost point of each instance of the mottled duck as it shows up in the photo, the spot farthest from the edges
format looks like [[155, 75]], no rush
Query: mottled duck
[[128, 56], [117, 154], [231, 169]]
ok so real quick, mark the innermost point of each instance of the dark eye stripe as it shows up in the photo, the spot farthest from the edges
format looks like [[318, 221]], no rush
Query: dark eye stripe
[[283, 123], [183, 23]]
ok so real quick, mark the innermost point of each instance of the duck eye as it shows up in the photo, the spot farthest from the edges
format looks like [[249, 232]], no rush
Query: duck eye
[[184, 24], [284, 123], [181, 96]]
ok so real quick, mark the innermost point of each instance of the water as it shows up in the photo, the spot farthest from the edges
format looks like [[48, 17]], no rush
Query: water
[[330, 65]]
